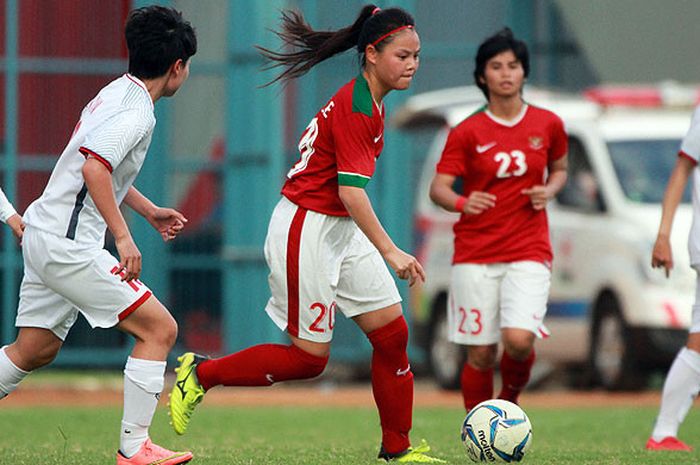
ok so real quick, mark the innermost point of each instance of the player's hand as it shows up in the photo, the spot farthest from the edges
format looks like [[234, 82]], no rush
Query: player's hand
[[662, 255], [168, 222], [478, 202], [129, 259], [539, 196], [406, 266], [17, 225]]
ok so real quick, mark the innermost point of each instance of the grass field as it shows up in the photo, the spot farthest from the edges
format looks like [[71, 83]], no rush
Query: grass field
[[309, 436]]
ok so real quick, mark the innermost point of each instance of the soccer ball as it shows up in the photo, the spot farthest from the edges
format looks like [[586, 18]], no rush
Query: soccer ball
[[496, 431]]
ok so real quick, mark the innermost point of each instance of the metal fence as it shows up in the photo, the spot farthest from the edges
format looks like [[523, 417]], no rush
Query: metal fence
[[222, 146]]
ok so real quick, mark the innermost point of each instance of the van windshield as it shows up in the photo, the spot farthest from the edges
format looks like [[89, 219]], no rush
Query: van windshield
[[643, 167]]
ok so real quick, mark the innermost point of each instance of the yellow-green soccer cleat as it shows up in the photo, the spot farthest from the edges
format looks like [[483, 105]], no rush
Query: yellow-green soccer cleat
[[186, 393], [411, 455]]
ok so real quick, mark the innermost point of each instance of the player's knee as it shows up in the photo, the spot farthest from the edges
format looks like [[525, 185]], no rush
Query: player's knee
[[519, 348], [163, 334], [169, 333], [41, 357], [482, 357], [392, 337], [306, 365]]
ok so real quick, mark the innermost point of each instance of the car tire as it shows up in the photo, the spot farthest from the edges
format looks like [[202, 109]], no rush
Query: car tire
[[612, 360], [444, 357]]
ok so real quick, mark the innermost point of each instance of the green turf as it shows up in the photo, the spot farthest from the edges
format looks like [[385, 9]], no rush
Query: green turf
[[295, 435]]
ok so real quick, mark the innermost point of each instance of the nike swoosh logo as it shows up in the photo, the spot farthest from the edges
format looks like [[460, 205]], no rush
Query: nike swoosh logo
[[484, 148], [376, 139], [270, 378], [403, 372]]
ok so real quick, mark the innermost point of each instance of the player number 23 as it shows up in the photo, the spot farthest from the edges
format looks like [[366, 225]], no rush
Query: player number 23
[[505, 160], [472, 327]]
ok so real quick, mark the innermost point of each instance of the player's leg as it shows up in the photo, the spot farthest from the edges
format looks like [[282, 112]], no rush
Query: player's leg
[[516, 362], [680, 389], [106, 301], [392, 379], [473, 321], [265, 364], [476, 379], [524, 294], [301, 304], [155, 331], [367, 293], [33, 348], [43, 316]]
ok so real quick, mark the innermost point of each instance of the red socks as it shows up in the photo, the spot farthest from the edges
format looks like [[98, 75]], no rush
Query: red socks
[[392, 384], [515, 374], [477, 385], [260, 365]]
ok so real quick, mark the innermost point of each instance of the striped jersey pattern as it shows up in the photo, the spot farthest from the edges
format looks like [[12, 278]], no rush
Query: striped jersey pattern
[[115, 128]]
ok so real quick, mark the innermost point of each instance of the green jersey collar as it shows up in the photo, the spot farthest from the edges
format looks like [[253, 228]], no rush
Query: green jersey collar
[[362, 101]]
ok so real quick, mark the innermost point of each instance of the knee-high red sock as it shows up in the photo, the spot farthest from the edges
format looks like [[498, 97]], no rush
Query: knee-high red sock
[[392, 384], [515, 374], [260, 365], [477, 385]]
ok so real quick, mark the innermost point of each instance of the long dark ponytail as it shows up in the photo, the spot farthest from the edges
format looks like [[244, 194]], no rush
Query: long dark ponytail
[[310, 47]]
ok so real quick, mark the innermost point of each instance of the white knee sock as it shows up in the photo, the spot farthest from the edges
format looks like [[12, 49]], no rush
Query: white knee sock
[[10, 374], [143, 381], [680, 389]]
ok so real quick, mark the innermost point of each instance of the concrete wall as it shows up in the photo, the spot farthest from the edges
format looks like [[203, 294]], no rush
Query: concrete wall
[[637, 40]]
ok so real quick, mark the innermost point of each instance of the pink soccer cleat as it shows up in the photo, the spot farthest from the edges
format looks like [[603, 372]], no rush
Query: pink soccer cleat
[[668, 443], [152, 454]]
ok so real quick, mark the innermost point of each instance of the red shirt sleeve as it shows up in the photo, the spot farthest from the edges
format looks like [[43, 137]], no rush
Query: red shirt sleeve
[[454, 155], [355, 149], [560, 142]]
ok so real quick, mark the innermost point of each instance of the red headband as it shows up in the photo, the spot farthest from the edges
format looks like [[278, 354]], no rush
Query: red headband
[[408, 26], [376, 10]]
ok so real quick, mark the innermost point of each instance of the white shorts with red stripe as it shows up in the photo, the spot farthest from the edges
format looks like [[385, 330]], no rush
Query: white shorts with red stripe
[[320, 264], [63, 277], [487, 297]]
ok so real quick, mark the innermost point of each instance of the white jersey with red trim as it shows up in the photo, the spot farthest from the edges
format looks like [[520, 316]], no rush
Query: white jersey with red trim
[[6, 208], [690, 148], [115, 128]]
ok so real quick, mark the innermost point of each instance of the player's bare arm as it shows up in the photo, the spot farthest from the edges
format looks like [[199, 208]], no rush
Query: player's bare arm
[[443, 194], [99, 183], [540, 195], [360, 208], [662, 254], [17, 225], [167, 221]]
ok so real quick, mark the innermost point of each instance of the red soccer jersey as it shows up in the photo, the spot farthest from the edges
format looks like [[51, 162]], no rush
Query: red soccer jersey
[[339, 147], [503, 158]]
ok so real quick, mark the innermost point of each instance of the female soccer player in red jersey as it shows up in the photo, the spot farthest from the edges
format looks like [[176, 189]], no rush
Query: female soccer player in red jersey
[[325, 247], [511, 157]]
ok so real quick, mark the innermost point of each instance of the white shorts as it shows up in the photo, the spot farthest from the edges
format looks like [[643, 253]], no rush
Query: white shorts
[[320, 264], [487, 297], [63, 277]]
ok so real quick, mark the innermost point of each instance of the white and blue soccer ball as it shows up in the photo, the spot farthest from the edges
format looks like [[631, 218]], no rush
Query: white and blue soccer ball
[[496, 431]]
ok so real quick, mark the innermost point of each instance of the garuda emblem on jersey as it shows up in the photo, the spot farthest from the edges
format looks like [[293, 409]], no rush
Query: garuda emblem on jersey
[[536, 142]]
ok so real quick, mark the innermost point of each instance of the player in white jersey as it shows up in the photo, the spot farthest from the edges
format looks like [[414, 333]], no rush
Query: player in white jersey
[[67, 270], [683, 379], [9, 216]]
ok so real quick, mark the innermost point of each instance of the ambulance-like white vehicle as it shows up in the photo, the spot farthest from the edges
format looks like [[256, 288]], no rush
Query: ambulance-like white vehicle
[[610, 314]]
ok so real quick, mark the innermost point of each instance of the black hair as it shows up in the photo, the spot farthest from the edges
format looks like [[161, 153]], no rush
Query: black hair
[[157, 37], [500, 42], [311, 47]]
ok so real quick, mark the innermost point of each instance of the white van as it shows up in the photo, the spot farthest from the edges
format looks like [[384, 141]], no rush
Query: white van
[[609, 311]]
